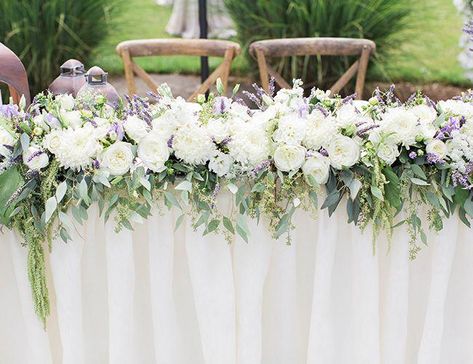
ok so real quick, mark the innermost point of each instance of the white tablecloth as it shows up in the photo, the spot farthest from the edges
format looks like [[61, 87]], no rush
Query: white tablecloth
[[159, 296]]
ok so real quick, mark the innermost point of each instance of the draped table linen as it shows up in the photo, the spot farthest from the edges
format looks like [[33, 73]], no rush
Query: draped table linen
[[160, 295]]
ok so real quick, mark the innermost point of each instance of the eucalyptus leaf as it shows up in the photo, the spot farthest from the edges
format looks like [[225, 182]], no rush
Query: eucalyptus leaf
[[184, 186], [61, 191], [50, 207]]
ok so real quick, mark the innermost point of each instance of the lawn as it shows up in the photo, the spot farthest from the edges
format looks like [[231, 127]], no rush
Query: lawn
[[429, 55]]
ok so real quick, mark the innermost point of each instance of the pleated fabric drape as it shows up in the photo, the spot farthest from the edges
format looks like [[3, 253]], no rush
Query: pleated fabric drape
[[156, 295]]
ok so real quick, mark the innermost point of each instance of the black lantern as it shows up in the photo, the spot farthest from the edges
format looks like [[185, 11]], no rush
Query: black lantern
[[70, 80], [96, 83]]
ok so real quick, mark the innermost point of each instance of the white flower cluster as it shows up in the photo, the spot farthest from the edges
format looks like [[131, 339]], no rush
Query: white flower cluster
[[291, 132]]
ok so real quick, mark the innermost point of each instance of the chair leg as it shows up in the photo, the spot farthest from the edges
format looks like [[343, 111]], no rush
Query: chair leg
[[263, 70], [227, 62], [130, 78], [362, 68]]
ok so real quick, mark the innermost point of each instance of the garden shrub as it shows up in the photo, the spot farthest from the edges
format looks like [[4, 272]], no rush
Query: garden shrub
[[45, 33], [383, 21]]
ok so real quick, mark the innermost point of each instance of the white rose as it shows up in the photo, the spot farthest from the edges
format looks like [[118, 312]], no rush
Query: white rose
[[343, 151], [153, 151], [437, 147], [317, 166], [220, 164], [35, 158], [347, 115], [388, 152], [217, 129], [6, 140], [319, 130], [291, 129], [52, 141], [117, 158], [289, 157], [135, 128], [66, 101], [72, 119]]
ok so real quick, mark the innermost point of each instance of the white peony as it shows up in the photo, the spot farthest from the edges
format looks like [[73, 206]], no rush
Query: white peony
[[319, 130], [117, 158], [153, 151], [401, 125], [317, 166], [343, 151], [165, 125], [78, 147], [388, 152], [220, 164], [250, 145], [291, 129], [217, 130], [437, 147], [425, 113], [72, 119], [66, 101], [192, 144], [135, 128], [456, 107], [6, 140], [35, 159], [289, 157]]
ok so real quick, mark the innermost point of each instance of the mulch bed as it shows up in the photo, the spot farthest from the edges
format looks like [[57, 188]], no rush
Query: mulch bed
[[184, 85]]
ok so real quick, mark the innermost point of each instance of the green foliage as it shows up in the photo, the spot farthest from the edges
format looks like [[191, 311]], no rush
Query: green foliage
[[382, 21], [45, 33]]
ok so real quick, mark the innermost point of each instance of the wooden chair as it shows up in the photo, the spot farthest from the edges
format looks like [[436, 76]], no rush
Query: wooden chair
[[13, 74], [363, 48], [167, 47]]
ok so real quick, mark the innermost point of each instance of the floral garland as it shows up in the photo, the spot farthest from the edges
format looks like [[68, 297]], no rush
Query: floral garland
[[380, 156]]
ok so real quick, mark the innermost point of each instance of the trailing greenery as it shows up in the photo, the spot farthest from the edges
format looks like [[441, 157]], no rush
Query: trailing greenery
[[46, 33], [383, 21], [383, 159]]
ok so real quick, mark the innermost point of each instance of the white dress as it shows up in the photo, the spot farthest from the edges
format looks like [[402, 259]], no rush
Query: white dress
[[184, 19]]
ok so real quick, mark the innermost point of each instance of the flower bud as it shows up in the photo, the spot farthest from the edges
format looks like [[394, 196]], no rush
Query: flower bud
[[38, 131], [373, 101]]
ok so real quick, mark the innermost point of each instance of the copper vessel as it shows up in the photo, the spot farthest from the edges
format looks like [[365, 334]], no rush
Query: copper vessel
[[13, 73], [96, 82], [71, 79]]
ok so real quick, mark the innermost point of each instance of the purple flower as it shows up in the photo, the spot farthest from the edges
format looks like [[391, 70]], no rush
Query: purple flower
[[412, 155], [323, 151], [96, 164], [362, 132], [452, 125], [118, 130], [460, 179], [221, 104], [260, 167], [433, 158], [34, 155], [171, 139], [9, 110]]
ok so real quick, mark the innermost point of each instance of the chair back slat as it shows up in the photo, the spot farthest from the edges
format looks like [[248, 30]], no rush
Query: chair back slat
[[173, 47], [288, 47], [13, 74]]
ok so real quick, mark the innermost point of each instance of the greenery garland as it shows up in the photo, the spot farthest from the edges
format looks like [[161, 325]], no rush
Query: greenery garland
[[383, 158]]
